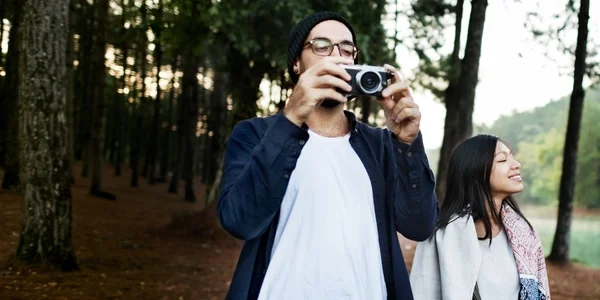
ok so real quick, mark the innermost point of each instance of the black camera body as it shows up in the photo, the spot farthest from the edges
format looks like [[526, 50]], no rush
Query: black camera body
[[367, 80]]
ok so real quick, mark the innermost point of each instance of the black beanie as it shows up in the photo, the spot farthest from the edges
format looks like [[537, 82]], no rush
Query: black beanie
[[300, 32]]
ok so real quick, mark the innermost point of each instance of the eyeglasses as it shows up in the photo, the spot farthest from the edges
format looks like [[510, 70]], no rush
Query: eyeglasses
[[324, 47]]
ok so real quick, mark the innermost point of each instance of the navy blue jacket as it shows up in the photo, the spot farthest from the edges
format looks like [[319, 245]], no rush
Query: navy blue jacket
[[262, 153]]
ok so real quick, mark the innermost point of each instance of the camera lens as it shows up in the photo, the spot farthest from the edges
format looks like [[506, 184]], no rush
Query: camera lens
[[369, 82]]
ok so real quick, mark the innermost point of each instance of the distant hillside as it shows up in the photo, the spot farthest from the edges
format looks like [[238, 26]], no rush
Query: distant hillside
[[523, 126], [537, 139]]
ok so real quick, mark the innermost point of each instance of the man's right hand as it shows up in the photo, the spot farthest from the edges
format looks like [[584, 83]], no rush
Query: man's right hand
[[316, 84]]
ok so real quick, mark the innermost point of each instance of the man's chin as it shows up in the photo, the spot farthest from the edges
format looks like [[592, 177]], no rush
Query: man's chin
[[330, 103]]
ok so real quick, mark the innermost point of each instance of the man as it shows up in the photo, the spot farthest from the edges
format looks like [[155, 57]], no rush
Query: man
[[318, 196]]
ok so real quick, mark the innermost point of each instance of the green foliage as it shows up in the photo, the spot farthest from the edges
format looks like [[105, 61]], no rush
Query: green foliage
[[428, 21], [537, 138]]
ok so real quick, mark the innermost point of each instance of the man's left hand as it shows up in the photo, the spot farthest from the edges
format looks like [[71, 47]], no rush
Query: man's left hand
[[402, 115]]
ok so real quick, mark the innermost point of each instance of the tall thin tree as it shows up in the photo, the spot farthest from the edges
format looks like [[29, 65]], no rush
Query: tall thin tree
[[46, 227], [560, 245], [71, 88], [165, 164], [98, 100], [459, 96], [136, 149], [154, 135]]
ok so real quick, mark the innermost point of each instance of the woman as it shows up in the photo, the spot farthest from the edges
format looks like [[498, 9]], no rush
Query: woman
[[483, 246]]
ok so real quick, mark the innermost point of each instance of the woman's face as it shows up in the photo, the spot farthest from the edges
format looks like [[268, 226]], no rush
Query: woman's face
[[505, 178]]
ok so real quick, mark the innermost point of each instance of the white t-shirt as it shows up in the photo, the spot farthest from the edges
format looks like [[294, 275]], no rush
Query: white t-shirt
[[498, 276], [326, 245]]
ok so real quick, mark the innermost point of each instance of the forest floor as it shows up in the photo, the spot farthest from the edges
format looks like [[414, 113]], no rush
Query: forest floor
[[149, 244]]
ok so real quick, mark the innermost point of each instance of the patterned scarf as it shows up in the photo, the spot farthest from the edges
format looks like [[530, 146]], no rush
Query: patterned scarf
[[529, 256]]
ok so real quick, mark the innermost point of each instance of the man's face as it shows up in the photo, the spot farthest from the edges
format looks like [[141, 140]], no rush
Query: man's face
[[333, 31]]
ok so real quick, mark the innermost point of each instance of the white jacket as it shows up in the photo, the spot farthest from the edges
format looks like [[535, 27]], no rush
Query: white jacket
[[452, 251]]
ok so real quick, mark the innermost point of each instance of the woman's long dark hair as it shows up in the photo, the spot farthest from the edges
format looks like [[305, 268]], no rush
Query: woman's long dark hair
[[468, 188]]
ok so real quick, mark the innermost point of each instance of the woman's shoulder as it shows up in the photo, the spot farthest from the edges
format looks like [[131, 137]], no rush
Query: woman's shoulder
[[460, 227]]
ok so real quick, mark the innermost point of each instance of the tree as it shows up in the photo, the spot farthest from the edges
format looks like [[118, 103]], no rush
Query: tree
[[46, 231], [428, 20], [560, 245], [154, 135], [99, 100], [460, 102], [71, 88], [138, 131], [9, 99]]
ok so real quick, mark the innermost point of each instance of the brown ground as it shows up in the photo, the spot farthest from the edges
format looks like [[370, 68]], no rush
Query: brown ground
[[152, 245]]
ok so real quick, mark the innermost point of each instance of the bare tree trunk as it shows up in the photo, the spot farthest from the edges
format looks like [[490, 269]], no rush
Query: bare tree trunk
[[190, 140], [83, 146], [283, 94], [166, 161], [216, 185], [216, 127], [121, 115], [460, 95], [137, 142], [46, 230], [184, 122], [71, 89], [9, 98], [98, 102], [153, 138], [560, 245]]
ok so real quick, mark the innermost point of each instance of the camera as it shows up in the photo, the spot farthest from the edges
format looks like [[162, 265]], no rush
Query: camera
[[367, 80]]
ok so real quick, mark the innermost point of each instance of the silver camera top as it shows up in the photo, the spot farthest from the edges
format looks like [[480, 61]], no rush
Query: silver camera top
[[367, 80]]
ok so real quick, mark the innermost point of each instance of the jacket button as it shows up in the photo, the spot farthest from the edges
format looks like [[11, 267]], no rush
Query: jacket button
[[409, 154], [400, 151], [301, 142], [287, 176], [414, 186]]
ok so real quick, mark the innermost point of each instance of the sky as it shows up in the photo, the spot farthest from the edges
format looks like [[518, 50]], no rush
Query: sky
[[508, 82]]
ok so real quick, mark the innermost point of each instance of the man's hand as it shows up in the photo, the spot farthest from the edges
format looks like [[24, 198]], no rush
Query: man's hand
[[402, 115], [317, 83]]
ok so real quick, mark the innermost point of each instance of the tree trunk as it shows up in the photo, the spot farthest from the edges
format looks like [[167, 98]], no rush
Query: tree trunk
[[185, 121], [216, 185], [85, 68], [120, 117], [70, 56], [153, 138], [216, 127], [46, 230], [99, 99], [137, 141], [560, 245], [460, 94], [9, 98], [165, 164]]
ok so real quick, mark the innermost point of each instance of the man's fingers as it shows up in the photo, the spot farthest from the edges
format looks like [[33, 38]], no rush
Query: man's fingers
[[330, 81], [402, 104], [407, 113], [397, 76], [388, 104], [332, 67], [329, 93], [397, 88]]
